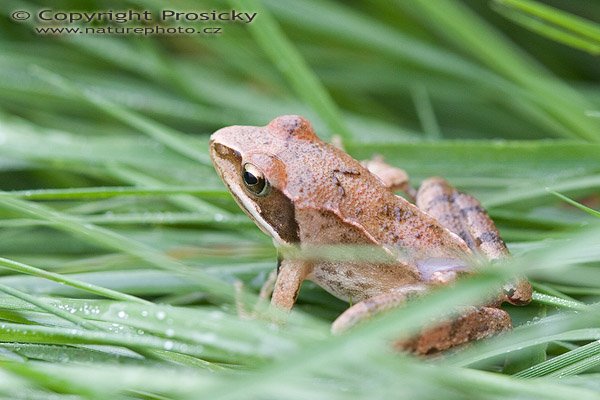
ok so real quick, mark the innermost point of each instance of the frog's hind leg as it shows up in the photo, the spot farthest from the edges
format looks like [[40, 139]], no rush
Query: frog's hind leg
[[474, 323], [367, 308], [393, 178], [464, 215]]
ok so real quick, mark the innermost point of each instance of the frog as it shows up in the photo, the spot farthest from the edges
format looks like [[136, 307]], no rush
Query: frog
[[302, 191]]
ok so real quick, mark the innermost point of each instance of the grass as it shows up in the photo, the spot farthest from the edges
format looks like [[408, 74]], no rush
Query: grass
[[119, 246]]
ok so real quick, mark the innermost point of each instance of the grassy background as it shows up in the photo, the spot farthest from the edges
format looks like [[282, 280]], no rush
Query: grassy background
[[119, 245]]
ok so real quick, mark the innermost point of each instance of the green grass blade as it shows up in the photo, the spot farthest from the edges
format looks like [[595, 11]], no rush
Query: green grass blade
[[573, 26], [576, 204], [168, 136], [551, 32], [290, 63], [473, 34], [589, 353], [112, 240], [62, 279]]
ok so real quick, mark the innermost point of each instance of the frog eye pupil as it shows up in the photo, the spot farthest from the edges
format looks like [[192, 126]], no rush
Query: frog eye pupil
[[254, 180], [250, 179]]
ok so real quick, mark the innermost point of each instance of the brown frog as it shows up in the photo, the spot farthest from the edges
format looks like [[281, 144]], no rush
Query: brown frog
[[302, 191]]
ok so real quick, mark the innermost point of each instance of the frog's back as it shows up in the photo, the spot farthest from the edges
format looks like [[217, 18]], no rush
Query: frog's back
[[339, 202]]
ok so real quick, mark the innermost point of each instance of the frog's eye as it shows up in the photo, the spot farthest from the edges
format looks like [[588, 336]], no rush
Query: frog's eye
[[254, 180]]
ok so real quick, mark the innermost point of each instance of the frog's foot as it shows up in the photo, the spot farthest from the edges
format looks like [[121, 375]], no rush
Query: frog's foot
[[464, 215], [473, 324], [393, 178], [265, 293], [374, 305]]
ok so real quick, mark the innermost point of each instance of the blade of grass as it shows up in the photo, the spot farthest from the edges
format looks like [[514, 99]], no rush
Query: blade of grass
[[76, 320], [587, 353], [115, 241], [516, 194], [190, 203], [572, 24], [105, 192], [62, 279], [291, 64], [575, 204], [560, 35], [558, 302], [473, 34], [425, 112], [162, 133], [154, 218]]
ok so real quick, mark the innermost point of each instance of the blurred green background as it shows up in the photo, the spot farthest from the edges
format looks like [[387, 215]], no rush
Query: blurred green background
[[119, 245]]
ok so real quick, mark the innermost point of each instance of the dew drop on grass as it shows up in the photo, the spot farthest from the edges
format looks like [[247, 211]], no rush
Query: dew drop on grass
[[219, 217], [215, 315], [168, 345], [144, 313], [170, 332], [160, 315], [122, 314]]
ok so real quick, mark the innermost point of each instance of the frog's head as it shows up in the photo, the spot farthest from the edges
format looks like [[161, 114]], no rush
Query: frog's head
[[246, 158]]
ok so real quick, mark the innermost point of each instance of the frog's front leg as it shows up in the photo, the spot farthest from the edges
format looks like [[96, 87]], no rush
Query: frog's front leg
[[290, 275], [464, 215]]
